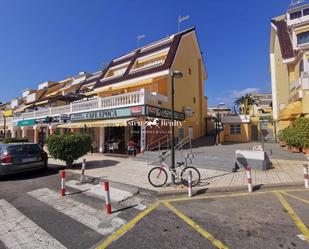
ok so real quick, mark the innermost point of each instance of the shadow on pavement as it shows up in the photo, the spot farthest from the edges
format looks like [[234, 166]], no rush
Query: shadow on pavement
[[51, 170], [96, 164]]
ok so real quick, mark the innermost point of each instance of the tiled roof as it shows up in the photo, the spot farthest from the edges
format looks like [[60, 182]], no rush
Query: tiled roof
[[134, 55], [284, 39]]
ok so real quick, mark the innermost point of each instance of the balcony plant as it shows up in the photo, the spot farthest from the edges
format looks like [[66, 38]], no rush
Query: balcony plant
[[69, 147]]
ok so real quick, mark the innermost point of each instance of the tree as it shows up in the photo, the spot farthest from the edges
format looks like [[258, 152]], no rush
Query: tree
[[245, 103], [69, 147]]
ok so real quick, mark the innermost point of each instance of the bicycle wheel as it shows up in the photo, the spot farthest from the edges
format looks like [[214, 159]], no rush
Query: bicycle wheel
[[196, 176], [157, 177]]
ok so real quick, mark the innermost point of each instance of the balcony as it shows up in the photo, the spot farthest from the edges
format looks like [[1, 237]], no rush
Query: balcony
[[122, 100], [296, 21]]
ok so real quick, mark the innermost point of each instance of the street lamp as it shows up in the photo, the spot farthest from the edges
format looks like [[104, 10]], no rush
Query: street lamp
[[175, 74], [218, 120]]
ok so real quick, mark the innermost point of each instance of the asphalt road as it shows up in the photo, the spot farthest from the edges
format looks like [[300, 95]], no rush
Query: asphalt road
[[68, 230], [247, 221], [32, 215]]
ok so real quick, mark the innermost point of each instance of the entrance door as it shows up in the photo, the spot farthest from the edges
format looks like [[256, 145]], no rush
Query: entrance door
[[254, 132], [190, 132]]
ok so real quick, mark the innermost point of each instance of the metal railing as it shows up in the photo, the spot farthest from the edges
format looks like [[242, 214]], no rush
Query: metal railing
[[100, 103]]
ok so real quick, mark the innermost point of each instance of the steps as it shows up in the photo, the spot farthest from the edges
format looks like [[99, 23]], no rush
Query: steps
[[200, 161]]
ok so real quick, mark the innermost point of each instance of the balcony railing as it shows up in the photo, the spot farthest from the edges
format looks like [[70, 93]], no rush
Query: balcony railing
[[100, 103]]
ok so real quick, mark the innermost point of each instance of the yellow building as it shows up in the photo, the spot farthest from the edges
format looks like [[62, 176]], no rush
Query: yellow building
[[289, 65], [131, 97]]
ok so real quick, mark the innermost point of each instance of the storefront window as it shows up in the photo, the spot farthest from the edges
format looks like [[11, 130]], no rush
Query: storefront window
[[235, 129]]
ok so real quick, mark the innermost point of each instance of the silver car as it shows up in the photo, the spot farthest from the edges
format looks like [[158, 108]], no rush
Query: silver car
[[18, 157]]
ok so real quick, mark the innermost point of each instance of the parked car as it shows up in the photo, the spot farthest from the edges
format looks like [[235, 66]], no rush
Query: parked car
[[19, 157]]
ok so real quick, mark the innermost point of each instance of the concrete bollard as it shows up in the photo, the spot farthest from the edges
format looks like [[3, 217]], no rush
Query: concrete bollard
[[249, 179], [107, 198], [190, 183], [62, 190], [306, 177], [82, 176]]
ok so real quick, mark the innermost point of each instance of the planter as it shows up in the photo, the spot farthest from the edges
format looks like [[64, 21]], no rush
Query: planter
[[282, 144], [294, 149], [306, 150]]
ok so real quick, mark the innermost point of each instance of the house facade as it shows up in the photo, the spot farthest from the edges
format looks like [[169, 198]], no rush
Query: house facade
[[289, 65], [129, 99]]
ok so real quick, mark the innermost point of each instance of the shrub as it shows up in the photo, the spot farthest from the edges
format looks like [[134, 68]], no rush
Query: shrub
[[10, 140], [69, 147], [301, 125], [282, 134], [294, 137]]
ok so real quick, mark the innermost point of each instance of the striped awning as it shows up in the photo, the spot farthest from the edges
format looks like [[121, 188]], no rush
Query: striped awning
[[291, 111], [97, 124]]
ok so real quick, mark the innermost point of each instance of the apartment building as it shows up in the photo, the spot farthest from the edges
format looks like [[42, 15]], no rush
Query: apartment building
[[289, 65], [129, 99]]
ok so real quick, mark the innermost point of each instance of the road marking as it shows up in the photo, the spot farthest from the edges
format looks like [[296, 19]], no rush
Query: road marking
[[228, 195], [98, 191], [91, 217], [18, 231], [128, 226], [203, 232], [298, 222], [295, 197]]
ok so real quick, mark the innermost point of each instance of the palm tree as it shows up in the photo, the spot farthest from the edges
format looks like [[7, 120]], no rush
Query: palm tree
[[245, 103]]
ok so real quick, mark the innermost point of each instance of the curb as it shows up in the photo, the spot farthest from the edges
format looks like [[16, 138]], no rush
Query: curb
[[231, 189]]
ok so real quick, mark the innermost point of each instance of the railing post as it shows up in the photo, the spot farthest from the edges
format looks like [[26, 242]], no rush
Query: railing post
[[99, 103], [71, 107], [50, 111]]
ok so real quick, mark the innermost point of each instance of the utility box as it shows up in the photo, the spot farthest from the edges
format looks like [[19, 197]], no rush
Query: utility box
[[252, 158]]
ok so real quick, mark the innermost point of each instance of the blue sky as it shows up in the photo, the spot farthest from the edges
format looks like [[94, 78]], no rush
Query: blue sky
[[51, 40]]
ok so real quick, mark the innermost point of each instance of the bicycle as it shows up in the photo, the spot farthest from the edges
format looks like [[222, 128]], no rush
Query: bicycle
[[157, 176]]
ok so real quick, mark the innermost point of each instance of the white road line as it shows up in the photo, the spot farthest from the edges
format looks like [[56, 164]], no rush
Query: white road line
[[18, 231], [98, 191], [91, 217]]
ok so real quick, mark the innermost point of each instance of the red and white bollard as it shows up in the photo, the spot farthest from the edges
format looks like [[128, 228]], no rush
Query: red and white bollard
[[190, 183], [62, 175], [249, 179], [306, 176], [107, 198], [82, 176]]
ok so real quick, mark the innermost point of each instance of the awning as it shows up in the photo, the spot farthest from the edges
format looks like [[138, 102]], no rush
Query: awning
[[21, 109], [291, 111], [96, 124]]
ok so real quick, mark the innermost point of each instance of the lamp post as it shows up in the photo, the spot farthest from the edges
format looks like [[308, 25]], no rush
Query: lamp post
[[175, 74], [218, 120]]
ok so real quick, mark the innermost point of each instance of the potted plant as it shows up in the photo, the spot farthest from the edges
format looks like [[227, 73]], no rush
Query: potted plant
[[294, 140], [305, 146], [282, 137]]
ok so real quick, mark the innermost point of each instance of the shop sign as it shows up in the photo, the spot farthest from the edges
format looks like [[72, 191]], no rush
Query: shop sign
[[29, 122], [136, 110], [47, 120], [106, 114], [163, 113], [65, 117], [8, 113]]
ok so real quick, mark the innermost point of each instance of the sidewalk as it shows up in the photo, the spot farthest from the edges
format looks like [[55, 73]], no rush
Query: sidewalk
[[135, 173]]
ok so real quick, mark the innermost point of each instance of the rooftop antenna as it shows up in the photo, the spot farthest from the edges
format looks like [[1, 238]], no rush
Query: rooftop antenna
[[181, 19], [138, 38]]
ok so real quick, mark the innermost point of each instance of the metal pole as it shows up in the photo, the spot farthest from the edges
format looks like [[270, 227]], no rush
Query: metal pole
[[218, 119], [190, 183], [262, 138], [173, 134], [4, 123]]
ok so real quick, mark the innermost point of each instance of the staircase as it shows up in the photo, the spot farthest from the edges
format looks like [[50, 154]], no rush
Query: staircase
[[185, 151]]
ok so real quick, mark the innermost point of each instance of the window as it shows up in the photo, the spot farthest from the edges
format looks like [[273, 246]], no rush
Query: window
[[303, 38], [306, 12], [235, 129], [295, 15], [301, 68]]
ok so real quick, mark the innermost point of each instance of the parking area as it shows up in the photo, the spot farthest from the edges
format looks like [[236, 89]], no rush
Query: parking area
[[270, 219]]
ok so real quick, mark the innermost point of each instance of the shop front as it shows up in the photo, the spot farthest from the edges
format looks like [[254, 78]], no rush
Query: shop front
[[121, 130]]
